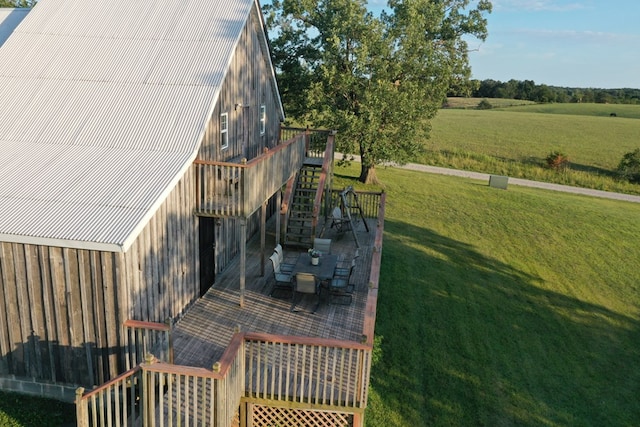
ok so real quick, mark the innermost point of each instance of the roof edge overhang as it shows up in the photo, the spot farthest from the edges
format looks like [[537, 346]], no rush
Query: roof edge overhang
[[265, 42], [105, 246], [153, 209], [61, 243]]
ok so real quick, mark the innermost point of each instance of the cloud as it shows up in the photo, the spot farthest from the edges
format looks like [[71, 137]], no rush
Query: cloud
[[538, 5], [578, 36]]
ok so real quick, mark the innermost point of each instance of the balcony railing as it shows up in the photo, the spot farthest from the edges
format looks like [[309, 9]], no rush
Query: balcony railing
[[239, 189]]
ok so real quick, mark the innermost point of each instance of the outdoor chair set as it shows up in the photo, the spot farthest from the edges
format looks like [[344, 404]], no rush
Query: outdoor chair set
[[290, 274], [281, 270]]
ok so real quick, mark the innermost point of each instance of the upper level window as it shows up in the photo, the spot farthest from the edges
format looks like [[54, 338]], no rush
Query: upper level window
[[263, 119], [224, 130]]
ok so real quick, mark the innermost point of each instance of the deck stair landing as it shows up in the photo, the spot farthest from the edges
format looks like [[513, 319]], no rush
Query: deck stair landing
[[300, 224]]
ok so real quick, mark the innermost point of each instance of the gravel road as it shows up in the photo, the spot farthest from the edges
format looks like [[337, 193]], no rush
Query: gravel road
[[524, 182], [514, 181]]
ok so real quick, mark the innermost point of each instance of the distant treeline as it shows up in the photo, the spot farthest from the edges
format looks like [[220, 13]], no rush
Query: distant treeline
[[529, 91]]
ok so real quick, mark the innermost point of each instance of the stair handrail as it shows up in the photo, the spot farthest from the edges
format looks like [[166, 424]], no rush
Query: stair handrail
[[326, 169]]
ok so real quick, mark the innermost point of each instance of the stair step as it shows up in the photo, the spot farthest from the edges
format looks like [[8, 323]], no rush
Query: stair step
[[298, 237], [300, 222], [300, 214], [299, 243], [301, 228]]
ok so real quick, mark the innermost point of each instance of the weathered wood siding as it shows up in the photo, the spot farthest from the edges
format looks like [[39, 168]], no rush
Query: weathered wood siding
[[62, 309], [247, 85], [60, 313]]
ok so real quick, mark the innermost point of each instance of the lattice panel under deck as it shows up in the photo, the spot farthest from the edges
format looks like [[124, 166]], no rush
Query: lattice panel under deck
[[270, 416]]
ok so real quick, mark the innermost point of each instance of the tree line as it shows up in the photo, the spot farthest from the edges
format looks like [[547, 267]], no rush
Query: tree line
[[528, 90]]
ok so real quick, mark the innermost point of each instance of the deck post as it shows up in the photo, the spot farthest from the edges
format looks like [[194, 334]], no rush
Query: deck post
[[278, 216], [82, 418], [263, 236], [243, 258], [358, 420]]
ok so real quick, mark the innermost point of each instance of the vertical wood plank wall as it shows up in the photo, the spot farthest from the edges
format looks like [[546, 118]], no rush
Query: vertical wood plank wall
[[161, 269], [59, 313], [62, 309], [248, 82]]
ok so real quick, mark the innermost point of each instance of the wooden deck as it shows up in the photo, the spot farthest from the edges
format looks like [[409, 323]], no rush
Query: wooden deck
[[203, 334]]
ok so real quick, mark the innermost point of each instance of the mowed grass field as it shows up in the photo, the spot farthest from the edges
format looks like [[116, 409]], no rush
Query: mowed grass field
[[515, 307], [515, 140]]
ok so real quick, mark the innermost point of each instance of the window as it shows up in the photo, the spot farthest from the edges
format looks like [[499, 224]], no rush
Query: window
[[224, 130], [263, 119]]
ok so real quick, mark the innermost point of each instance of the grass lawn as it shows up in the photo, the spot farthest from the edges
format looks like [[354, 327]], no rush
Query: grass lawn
[[503, 308], [25, 411]]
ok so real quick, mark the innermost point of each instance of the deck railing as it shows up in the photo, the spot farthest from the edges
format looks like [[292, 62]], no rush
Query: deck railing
[[369, 202], [147, 338], [315, 138], [319, 373], [308, 372], [161, 394], [229, 189], [115, 403]]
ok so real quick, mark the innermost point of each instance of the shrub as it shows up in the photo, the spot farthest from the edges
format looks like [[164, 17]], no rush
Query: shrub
[[484, 105], [629, 167], [557, 160]]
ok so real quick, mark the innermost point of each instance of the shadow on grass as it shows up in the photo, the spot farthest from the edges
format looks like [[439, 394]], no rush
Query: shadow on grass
[[593, 170], [469, 340]]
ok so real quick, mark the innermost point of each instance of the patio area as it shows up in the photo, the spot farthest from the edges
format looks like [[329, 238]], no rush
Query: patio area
[[202, 335]]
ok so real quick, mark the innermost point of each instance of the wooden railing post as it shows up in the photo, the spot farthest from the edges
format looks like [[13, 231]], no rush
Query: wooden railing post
[[169, 322], [82, 419], [148, 393]]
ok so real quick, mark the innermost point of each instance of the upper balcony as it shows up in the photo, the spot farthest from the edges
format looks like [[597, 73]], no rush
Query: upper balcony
[[228, 189]]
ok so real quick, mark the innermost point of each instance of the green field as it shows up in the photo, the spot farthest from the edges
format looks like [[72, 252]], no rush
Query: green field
[[473, 102], [514, 141], [504, 308]]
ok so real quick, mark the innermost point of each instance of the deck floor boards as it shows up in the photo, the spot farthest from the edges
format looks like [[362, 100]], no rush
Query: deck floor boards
[[203, 333]]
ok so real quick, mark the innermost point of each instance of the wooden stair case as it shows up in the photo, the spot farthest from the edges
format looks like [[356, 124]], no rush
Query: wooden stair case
[[302, 220]]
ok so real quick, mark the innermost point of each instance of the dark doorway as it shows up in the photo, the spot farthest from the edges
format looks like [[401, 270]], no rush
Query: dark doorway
[[207, 253]]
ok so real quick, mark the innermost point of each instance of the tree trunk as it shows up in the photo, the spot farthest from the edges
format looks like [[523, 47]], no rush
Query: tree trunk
[[368, 174]]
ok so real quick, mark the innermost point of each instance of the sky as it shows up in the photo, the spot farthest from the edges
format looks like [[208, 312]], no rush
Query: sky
[[571, 43]]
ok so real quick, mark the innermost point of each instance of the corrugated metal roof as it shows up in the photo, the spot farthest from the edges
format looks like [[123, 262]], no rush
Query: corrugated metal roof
[[104, 105]]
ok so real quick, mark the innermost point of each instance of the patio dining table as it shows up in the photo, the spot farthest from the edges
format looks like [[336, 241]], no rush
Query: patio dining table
[[323, 271]]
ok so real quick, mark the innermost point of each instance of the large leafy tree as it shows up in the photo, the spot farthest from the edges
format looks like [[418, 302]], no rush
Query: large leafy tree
[[377, 80], [17, 3]]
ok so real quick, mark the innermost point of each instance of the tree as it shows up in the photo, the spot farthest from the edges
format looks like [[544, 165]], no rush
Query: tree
[[377, 80], [17, 3], [629, 166]]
